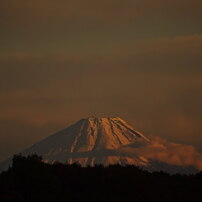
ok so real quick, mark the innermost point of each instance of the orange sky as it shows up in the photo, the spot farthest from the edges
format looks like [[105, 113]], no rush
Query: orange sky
[[64, 60]]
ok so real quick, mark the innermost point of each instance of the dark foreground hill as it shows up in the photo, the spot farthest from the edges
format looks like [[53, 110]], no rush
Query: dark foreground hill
[[31, 180]]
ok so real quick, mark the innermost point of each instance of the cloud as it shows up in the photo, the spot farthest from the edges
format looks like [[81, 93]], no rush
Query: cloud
[[168, 152]]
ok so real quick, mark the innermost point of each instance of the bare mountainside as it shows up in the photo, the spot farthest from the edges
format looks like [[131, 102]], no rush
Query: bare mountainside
[[93, 141]]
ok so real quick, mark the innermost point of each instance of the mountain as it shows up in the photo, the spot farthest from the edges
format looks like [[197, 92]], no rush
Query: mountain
[[90, 141], [93, 141]]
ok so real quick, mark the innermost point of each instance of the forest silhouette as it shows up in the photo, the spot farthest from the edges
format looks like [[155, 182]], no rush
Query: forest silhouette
[[31, 180]]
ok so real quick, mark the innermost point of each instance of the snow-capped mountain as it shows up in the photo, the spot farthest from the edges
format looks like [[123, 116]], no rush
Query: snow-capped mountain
[[90, 141], [93, 141]]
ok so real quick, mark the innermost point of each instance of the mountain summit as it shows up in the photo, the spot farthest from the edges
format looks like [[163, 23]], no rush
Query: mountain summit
[[103, 133]]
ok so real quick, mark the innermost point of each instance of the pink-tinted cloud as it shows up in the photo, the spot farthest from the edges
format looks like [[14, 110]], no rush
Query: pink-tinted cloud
[[168, 152]]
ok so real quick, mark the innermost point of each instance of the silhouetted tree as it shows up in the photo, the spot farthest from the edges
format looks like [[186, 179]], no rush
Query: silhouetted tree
[[30, 180]]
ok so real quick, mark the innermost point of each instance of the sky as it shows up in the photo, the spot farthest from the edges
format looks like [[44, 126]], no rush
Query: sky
[[64, 60]]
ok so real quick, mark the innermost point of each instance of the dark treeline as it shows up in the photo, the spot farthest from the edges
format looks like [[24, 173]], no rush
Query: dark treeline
[[31, 180]]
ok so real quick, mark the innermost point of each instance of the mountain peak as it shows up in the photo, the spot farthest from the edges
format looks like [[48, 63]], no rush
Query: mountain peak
[[87, 136], [102, 118], [90, 141], [114, 126]]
